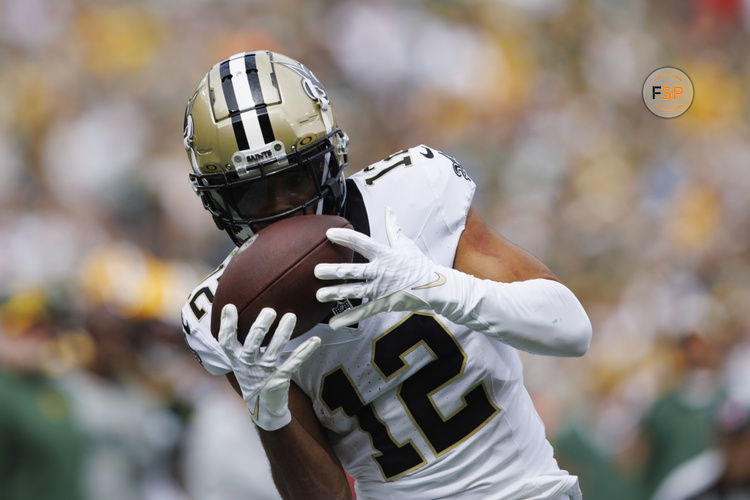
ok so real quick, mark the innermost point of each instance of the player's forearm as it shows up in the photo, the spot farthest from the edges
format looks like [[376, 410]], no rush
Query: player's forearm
[[302, 469], [541, 316]]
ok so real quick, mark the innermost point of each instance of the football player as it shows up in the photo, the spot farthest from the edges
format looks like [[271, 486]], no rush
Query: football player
[[414, 384]]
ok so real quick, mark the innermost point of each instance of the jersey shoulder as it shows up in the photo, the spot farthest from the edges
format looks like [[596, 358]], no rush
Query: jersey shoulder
[[418, 161], [425, 187]]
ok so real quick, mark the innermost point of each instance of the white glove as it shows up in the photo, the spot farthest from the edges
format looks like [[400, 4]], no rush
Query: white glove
[[394, 276], [265, 387], [538, 315]]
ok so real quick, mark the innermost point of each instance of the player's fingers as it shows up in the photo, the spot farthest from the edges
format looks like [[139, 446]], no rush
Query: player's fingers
[[257, 332], [392, 228], [301, 354], [344, 271], [351, 316], [280, 337], [228, 330], [360, 243], [340, 292]]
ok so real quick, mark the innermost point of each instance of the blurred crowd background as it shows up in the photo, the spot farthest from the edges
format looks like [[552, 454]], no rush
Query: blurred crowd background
[[646, 219]]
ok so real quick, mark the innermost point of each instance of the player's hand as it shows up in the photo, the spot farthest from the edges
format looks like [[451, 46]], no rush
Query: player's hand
[[265, 387], [395, 278]]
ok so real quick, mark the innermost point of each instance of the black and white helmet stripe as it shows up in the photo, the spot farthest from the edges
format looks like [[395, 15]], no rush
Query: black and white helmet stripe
[[260, 103], [251, 126]]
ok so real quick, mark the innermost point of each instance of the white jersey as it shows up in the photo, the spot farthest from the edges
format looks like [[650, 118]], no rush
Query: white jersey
[[414, 405]]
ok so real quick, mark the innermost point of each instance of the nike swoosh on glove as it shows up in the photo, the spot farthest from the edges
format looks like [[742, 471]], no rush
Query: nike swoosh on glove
[[393, 280], [264, 385]]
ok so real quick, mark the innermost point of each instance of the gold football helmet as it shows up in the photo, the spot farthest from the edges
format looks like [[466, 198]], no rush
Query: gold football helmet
[[263, 143]]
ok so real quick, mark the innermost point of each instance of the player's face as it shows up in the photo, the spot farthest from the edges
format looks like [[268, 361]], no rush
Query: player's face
[[276, 194]]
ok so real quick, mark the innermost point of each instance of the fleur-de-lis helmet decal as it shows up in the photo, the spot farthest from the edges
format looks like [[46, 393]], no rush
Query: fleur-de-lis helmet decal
[[311, 85]]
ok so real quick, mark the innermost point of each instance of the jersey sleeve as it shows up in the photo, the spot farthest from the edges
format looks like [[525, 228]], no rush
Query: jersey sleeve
[[430, 193], [196, 324], [452, 188], [205, 348]]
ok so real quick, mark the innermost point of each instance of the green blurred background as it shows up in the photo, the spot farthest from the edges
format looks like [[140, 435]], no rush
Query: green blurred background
[[646, 219]]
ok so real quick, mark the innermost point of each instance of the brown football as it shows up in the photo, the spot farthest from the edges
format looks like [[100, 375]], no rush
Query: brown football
[[276, 270]]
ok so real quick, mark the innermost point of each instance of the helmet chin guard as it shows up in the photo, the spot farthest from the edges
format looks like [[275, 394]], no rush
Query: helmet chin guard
[[263, 143]]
